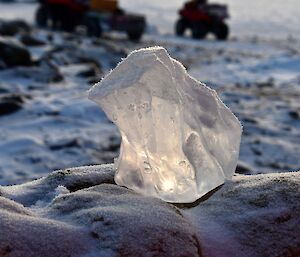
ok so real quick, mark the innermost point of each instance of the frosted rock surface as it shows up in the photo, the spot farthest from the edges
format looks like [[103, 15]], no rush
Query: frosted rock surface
[[179, 141]]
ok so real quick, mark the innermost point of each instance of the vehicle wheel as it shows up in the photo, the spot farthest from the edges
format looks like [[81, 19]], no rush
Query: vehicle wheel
[[180, 27], [221, 31], [42, 16], [134, 35], [199, 30], [93, 27]]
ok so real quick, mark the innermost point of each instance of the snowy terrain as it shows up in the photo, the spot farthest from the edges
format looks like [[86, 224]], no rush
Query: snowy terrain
[[257, 79], [81, 212], [47, 123]]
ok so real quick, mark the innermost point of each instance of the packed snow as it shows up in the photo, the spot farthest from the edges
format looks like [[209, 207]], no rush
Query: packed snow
[[179, 141], [81, 212], [255, 216]]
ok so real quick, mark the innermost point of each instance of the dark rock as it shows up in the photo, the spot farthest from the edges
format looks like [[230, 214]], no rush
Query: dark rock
[[2, 65], [266, 84], [93, 81], [256, 151], [113, 144], [64, 144], [11, 28], [295, 115], [69, 36], [13, 53], [70, 54], [91, 71], [56, 76], [30, 40], [3, 89], [46, 72], [10, 104], [50, 37], [8, 107], [250, 120], [243, 168]]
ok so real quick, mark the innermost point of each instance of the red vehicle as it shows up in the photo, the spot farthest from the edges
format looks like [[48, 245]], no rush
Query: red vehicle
[[203, 19]]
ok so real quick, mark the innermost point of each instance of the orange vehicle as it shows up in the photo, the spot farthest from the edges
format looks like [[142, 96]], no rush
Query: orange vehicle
[[104, 5], [96, 15]]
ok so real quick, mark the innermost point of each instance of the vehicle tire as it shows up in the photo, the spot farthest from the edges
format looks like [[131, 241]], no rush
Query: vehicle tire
[[42, 16], [180, 27], [93, 28], [221, 31], [199, 30]]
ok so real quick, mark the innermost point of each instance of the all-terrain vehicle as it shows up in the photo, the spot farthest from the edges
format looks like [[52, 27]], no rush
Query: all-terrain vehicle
[[203, 19], [97, 16]]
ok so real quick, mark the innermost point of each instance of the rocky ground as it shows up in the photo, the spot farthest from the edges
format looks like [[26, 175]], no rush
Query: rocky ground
[[46, 120], [47, 123]]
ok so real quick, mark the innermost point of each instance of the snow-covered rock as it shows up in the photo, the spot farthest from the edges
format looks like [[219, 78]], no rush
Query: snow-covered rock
[[81, 212], [179, 141], [251, 216]]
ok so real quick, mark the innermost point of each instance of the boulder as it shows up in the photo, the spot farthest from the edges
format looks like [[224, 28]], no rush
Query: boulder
[[91, 71], [45, 72], [243, 168], [13, 53], [30, 40], [10, 103], [81, 212], [11, 28], [3, 88]]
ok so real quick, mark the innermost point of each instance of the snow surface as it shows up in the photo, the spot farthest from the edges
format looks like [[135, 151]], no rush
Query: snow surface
[[59, 127], [256, 73], [179, 141], [80, 212], [256, 215]]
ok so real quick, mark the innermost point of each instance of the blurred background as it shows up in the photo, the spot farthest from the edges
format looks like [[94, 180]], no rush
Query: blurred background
[[259, 17], [52, 52]]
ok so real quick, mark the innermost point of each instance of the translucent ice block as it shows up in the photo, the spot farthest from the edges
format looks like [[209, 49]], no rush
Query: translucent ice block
[[179, 141]]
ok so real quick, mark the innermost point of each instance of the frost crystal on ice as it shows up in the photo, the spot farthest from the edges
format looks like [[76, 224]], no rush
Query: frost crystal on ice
[[179, 141]]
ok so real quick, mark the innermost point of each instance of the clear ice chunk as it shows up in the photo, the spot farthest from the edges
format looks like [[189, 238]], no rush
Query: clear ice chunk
[[179, 141]]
